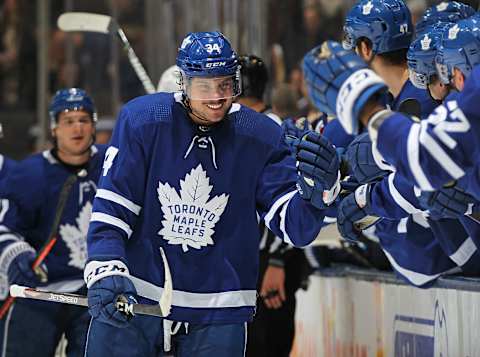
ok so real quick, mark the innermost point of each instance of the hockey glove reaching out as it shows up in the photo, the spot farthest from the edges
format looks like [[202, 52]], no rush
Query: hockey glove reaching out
[[340, 83], [20, 270], [354, 214], [318, 169], [109, 299], [448, 202], [362, 162]]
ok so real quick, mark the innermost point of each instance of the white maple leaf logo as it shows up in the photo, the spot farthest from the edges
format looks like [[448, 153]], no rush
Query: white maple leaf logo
[[367, 8], [189, 218], [75, 237]]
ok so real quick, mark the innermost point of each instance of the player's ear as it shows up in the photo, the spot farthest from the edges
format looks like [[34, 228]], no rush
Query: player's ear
[[364, 50], [458, 79]]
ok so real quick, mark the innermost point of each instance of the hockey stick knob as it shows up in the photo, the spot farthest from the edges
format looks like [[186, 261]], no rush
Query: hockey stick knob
[[17, 290]]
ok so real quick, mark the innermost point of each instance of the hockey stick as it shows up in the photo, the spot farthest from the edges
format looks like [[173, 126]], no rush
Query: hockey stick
[[88, 22], [52, 238], [80, 300], [162, 309]]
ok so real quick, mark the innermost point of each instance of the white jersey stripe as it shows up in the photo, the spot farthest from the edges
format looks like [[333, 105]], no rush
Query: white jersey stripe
[[440, 155], [276, 206], [114, 221], [414, 158], [464, 252], [122, 201], [399, 199], [224, 299]]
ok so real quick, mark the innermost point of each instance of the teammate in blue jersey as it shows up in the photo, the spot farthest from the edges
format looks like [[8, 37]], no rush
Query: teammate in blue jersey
[[380, 31], [431, 153], [188, 173], [31, 192], [391, 185], [420, 249]]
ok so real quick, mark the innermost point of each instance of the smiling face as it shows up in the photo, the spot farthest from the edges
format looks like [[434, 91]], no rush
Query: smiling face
[[210, 98], [74, 134]]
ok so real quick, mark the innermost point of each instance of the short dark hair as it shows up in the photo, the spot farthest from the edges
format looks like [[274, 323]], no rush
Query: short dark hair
[[393, 58]]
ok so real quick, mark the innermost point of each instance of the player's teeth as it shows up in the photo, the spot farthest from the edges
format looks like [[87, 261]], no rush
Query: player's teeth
[[214, 106]]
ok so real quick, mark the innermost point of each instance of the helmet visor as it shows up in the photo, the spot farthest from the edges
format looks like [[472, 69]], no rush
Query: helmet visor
[[212, 88]]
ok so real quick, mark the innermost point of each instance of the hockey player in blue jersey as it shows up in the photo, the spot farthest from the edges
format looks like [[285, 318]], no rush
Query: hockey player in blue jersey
[[430, 154], [188, 173], [380, 31], [32, 189]]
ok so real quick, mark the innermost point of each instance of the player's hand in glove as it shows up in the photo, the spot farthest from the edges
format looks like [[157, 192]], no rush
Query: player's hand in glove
[[108, 300], [340, 83], [448, 202], [318, 169], [353, 213], [360, 159], [20, 270]]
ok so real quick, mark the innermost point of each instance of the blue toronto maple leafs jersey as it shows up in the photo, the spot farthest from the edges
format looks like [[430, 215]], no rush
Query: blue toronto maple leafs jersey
[[32, 189], [194, 191], [442, 148], [410, 92], [413, 251]]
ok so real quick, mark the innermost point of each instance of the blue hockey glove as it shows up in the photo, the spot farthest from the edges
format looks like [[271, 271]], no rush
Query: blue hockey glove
[[340, 83], [318, 169], [447, 202], [361, 161], [20, 270], [108, 300], [354, 212]]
